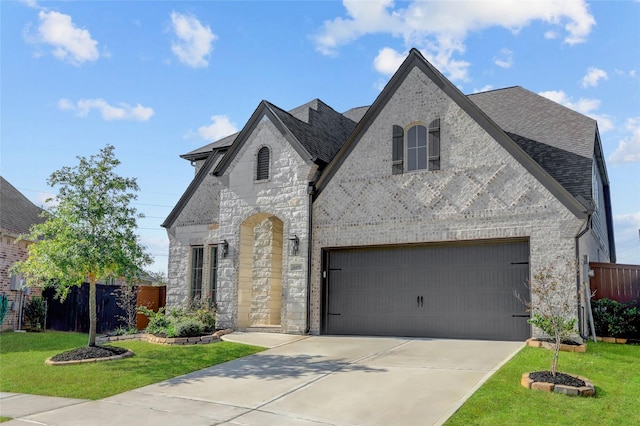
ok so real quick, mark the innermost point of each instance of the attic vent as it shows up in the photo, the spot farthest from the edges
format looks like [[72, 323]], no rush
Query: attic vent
[[262, 168]]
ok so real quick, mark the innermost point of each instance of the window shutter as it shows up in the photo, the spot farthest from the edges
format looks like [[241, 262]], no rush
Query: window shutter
[[262, 167], [434, 145], [397, 167]]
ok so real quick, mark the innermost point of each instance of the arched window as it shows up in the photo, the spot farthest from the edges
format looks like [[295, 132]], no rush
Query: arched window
[[420, 150], [262, 165]]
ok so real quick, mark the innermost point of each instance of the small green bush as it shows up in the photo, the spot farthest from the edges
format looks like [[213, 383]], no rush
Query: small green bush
[[35, 312], [198, 318], [615, 319], [188, 328]]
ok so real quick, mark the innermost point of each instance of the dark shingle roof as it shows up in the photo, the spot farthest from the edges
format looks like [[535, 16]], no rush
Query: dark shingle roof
[[17, 213], [324, 132], [557, 138], [202, 152], [524, 113]]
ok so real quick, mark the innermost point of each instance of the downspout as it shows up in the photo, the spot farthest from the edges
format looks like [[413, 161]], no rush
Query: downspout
[[311, 190], [578, 281]]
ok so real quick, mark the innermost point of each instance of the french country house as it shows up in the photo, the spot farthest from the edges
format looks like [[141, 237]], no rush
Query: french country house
[[424, 214]]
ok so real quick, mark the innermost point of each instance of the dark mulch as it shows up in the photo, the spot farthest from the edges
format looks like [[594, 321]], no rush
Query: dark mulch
[[560, 379], [564, 342], [89, 352]]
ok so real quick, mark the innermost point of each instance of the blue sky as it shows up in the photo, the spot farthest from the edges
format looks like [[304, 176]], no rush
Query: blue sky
[[158, 79]]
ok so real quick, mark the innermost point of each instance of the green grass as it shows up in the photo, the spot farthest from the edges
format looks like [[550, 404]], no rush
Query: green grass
[[22, 367], [613, 369]]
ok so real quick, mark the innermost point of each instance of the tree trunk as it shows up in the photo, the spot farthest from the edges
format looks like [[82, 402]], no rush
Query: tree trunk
[[93, 315]]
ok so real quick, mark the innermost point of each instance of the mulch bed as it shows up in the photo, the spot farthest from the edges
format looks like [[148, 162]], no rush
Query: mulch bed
[[89, 352], [560, 379]]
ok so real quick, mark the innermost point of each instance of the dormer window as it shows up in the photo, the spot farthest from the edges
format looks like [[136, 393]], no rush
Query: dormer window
[[262, 164], [419, 149]]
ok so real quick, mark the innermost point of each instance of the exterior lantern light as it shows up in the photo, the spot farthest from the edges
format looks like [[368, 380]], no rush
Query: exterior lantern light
[[225, 248], [294, 244]]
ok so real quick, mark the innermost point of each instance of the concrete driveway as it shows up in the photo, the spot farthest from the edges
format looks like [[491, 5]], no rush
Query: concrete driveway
[[319, 380]]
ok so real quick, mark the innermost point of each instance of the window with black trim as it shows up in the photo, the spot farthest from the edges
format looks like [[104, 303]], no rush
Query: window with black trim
[[197, 263], [262, 164]]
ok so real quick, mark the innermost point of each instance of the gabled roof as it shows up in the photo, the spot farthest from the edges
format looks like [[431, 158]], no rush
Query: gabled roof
[[415, 59], [203, 152], [314, 130], [316, 137], [17, 213]]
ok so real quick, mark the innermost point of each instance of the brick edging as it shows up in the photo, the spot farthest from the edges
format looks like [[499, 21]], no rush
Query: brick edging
[[587, 390], [200, 340], [535, 343]]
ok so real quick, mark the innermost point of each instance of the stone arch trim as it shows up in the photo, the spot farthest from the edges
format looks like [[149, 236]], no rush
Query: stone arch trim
[[261, 250]]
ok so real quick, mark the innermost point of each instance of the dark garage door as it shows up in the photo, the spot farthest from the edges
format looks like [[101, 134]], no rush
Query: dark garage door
[[462, 291]]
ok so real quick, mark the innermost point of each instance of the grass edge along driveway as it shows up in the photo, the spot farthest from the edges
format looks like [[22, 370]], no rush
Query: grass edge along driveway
[[614, 370], [22, 367]]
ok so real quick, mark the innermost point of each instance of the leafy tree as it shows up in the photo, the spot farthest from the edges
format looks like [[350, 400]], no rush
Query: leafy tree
[[89, 233]]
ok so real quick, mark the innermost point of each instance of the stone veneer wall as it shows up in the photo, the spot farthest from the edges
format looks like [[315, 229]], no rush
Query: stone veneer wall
[[221, 205], [481, 191]]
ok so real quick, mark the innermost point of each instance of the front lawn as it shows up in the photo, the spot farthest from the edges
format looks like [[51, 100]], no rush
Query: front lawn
[[613, 369], [22, 367]]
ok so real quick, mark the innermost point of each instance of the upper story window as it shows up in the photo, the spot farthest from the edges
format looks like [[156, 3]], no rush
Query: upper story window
[[419, 149], [262, 164]]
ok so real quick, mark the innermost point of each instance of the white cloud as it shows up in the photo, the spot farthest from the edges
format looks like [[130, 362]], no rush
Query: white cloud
[[439, 28], [593, 77], [70, 43], [626, 228], [194, 42], [388, 61], [628, 150], [505, 60], [220, 127], [121, 112], [584, 106]]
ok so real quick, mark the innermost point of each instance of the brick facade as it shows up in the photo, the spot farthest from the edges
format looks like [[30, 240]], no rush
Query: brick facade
[[480, 192], [12, 251]]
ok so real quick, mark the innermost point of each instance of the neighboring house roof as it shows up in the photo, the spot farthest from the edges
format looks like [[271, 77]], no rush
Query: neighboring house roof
[[17, 213]]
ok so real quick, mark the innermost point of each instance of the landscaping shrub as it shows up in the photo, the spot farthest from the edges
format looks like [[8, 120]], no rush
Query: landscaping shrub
[[198, 318], [615, 319], [35, 312], [188, 328], [158, 322]]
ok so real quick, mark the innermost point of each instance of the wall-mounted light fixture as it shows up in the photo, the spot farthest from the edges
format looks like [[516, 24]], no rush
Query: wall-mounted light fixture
[[294, 244], [224, 245]]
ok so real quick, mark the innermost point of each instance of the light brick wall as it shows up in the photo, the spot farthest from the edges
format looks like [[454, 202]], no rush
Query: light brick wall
[[481, 191]]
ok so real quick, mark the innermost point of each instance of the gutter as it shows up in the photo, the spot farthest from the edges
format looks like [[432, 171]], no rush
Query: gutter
[[311, 190]]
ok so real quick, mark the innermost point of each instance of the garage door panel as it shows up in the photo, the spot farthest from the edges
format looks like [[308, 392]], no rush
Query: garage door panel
[[455, 291]]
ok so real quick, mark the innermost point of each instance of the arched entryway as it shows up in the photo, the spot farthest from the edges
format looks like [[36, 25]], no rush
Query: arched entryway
[[260, 271]]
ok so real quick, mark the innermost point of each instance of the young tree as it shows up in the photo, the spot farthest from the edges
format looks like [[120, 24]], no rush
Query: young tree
[[89, 233], [554, 311]]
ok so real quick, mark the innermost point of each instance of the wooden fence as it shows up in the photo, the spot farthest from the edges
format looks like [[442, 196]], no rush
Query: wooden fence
[[616, 282]]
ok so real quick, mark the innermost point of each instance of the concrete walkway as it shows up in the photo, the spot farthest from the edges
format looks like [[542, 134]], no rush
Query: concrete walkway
[[319, 380]]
